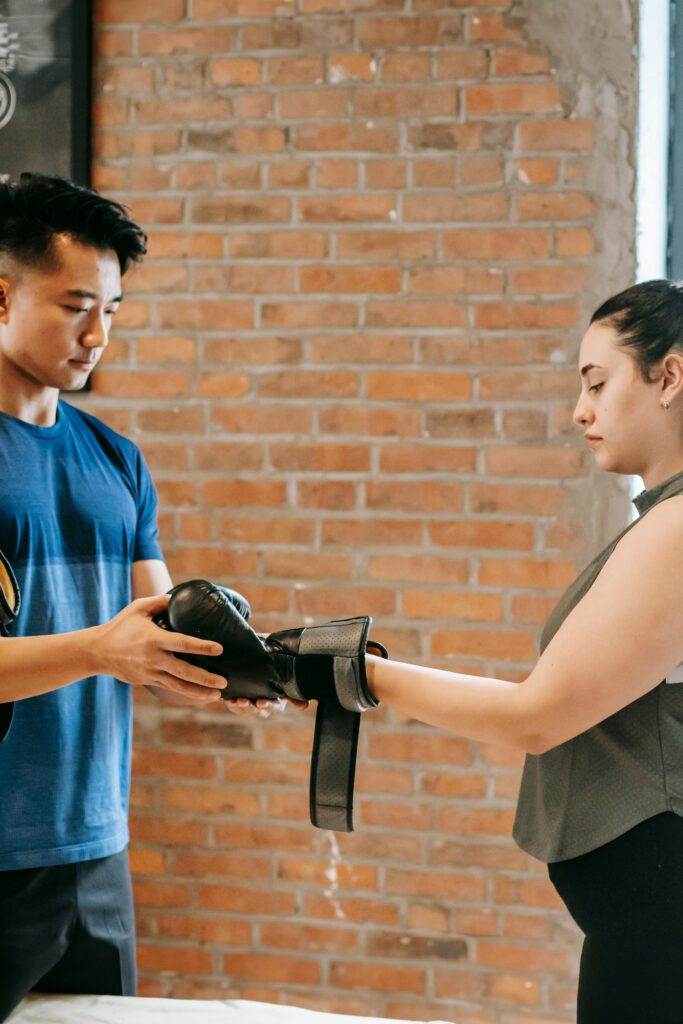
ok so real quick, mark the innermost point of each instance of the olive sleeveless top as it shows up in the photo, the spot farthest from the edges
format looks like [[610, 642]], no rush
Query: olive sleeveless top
[[592, 788]]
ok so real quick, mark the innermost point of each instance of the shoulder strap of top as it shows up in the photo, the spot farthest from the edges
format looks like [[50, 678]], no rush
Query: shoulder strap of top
[[587, 577]]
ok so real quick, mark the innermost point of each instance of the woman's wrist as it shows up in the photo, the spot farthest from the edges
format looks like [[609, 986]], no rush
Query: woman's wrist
[[372, 671]]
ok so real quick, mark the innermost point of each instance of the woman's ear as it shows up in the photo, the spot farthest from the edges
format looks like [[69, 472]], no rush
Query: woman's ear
[[671, 380]]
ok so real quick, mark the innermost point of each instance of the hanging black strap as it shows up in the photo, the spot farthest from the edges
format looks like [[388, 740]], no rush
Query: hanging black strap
[[333, 758], [333, 766]]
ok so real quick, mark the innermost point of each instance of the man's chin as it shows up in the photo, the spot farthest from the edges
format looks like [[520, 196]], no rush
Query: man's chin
[[74, 379]]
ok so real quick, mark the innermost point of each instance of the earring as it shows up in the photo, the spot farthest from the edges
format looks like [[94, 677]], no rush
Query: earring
[[665, 405]]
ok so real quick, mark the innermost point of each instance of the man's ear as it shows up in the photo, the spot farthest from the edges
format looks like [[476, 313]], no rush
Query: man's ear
[[5, 289]]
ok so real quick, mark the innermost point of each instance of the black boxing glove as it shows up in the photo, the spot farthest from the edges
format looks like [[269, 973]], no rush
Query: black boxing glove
[[310, 663], [323, 663], [10, 597], [10, 603]]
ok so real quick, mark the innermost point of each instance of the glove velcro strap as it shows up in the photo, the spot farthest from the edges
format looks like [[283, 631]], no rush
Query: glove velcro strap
[[333, 766], [345, 638]]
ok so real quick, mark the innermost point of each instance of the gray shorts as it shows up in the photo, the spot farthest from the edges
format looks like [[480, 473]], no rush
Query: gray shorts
[[68, 929]]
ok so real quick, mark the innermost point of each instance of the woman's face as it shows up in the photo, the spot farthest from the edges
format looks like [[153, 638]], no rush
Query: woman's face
[[619, 412]]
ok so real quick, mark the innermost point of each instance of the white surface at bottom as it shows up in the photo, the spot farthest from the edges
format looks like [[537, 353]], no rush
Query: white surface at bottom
[[128, 1010]]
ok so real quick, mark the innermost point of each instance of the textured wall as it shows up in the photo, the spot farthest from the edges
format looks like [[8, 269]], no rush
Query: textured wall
[[376, 229]]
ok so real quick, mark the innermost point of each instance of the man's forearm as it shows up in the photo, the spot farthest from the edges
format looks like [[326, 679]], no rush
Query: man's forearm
[[33, 665]]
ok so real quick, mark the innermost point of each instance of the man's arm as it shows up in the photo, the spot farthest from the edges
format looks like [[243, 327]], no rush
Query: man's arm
[[129, 647]]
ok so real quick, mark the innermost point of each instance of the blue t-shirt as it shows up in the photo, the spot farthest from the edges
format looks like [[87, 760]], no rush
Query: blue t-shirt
[[77, 508]]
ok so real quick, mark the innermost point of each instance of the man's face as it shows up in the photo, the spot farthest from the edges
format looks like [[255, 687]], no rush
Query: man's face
[[54, 321]]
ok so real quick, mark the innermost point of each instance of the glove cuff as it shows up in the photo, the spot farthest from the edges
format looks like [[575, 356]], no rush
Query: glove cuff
[[345, 640]]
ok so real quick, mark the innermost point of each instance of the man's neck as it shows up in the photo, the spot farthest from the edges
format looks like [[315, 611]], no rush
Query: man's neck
[[36, 405]]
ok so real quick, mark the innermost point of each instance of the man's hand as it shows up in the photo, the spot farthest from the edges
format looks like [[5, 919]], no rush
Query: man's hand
[[132, 648]]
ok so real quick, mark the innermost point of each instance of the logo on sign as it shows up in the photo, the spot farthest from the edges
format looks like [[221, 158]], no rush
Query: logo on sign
[[9, 45]]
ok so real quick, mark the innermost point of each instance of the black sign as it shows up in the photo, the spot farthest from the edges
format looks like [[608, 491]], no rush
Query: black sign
[[45, 57]]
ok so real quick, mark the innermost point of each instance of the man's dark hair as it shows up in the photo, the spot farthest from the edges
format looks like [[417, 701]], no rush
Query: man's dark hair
[[37, 208], [648, 317]]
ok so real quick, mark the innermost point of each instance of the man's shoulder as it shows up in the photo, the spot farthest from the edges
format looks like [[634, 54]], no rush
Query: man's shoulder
[[83, 422]]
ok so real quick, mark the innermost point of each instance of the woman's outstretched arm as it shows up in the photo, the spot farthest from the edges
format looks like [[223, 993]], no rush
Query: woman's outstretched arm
[[619, 642]]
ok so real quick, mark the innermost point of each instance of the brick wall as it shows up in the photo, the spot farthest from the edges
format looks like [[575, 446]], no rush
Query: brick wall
[[349, 360]]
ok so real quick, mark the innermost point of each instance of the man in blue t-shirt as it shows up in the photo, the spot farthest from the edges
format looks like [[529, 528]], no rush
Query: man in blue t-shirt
[[78, 524]]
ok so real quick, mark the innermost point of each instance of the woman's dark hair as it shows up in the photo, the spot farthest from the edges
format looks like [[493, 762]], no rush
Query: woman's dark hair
[[37, 208], [648, 318]]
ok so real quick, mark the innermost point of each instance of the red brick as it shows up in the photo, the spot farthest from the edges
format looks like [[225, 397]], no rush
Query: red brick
[[339, 601], [235, 71], [168, 958], [428, 102], [555, 463], [289, 174], [481, 170], [179, 245], [182, 109], [415, 314], [374, 422], [342, 209], [523, 315], [185, 40], [497, 243], [513, 646], [491, 28], [482, 534], [573, 242], [554, 206], [139, 384], [350, 279], [406, 497], [420, 458], [339, 173], [348, 67], [526, 572], [194, 930], [292, 244], [318, 103], [295, 70], [205, 314], [113, 11], [513, 62], [386, 245], [309, 938], [406, 67], [505, 956], [212, 10], [575, 133], [344, 137], [461, 64], [446, 206], [434, 604], [232, 209], [413, 386], [300, 314], [537, 171], [378, 977], [280, 969], [515, 98]]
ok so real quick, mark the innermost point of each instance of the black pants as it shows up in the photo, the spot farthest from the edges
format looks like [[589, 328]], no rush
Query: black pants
[[67, 929], [627, 899]]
